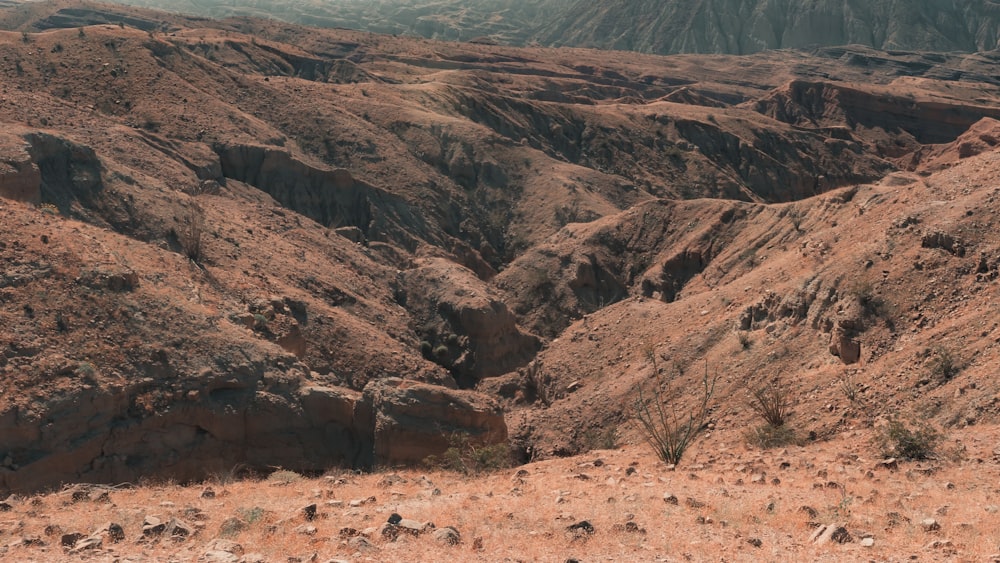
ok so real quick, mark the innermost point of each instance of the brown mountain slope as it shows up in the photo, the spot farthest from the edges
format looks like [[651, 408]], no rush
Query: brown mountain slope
[[244, 242]]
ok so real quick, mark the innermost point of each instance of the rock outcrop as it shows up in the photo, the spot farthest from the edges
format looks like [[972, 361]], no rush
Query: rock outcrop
[[252, 418], [469, 329], [331, 197], [410, 421], [20, 178]]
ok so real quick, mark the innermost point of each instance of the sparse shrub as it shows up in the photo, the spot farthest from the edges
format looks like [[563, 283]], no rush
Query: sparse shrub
[[86, 369], [465, 456], [259, 321], [901, 441], [668, 430], [190, 235], [81, 33], [441, 352], [745, 341], [771, 402], [451, 339], [150, 123], [283, 477], [57, 48], [943, 367], [769, 436], [251, 515], [426, 349], [601, 438], [849, 387], [25, 37]]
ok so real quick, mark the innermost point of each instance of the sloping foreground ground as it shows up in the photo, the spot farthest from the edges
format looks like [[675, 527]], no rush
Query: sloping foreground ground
[[727, 503]]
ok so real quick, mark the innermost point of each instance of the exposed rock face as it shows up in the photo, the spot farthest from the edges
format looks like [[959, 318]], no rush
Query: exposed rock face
[[410, 421], [823, 104], [20, 178], [466, 318], [849, 324], [69, 171], [258, 420], [331, 197]]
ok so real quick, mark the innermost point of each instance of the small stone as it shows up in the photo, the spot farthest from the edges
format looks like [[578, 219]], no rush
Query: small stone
[[306, 530], [152, 526], [867, 542], [670, 499], [92, 542], [219, 556], [413, 527], [693, 503], [345, 533], [177, 528], [115, 532], [891, 464], [226, 545], [447, 535], [309, 512], [209, 492], [831, 533], [361, 544], [32, 541], [930, 525], [581, 530], [940, 544], [69, 540], [232, 526]]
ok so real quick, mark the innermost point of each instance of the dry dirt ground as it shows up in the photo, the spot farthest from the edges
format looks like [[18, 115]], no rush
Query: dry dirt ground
[[724, 503]]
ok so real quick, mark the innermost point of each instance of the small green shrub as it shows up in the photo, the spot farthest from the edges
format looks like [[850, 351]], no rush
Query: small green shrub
[[944, 366], [441, 352], [466, 456], [901, 441], [426, 349], [86, 369]]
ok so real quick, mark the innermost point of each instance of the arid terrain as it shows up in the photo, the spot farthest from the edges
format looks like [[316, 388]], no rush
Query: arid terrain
[[235, 246]]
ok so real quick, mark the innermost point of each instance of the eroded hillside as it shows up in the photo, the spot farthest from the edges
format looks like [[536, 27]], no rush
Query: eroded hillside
[[245, 242]]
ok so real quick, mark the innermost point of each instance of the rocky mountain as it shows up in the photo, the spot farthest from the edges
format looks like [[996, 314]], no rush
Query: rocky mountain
[[750, 26], [649, 26], [246, 243]]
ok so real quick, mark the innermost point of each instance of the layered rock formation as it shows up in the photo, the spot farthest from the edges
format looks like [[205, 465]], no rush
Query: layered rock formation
[[248, 418]]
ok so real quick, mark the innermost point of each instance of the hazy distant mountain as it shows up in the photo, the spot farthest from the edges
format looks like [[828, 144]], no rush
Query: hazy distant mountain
[[654, 26], [747, 26]]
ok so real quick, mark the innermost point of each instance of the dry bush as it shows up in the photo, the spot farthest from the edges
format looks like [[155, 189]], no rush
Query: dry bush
[[768, 436], [666, 428], [467, 457], [771, 402], [189, 236]]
